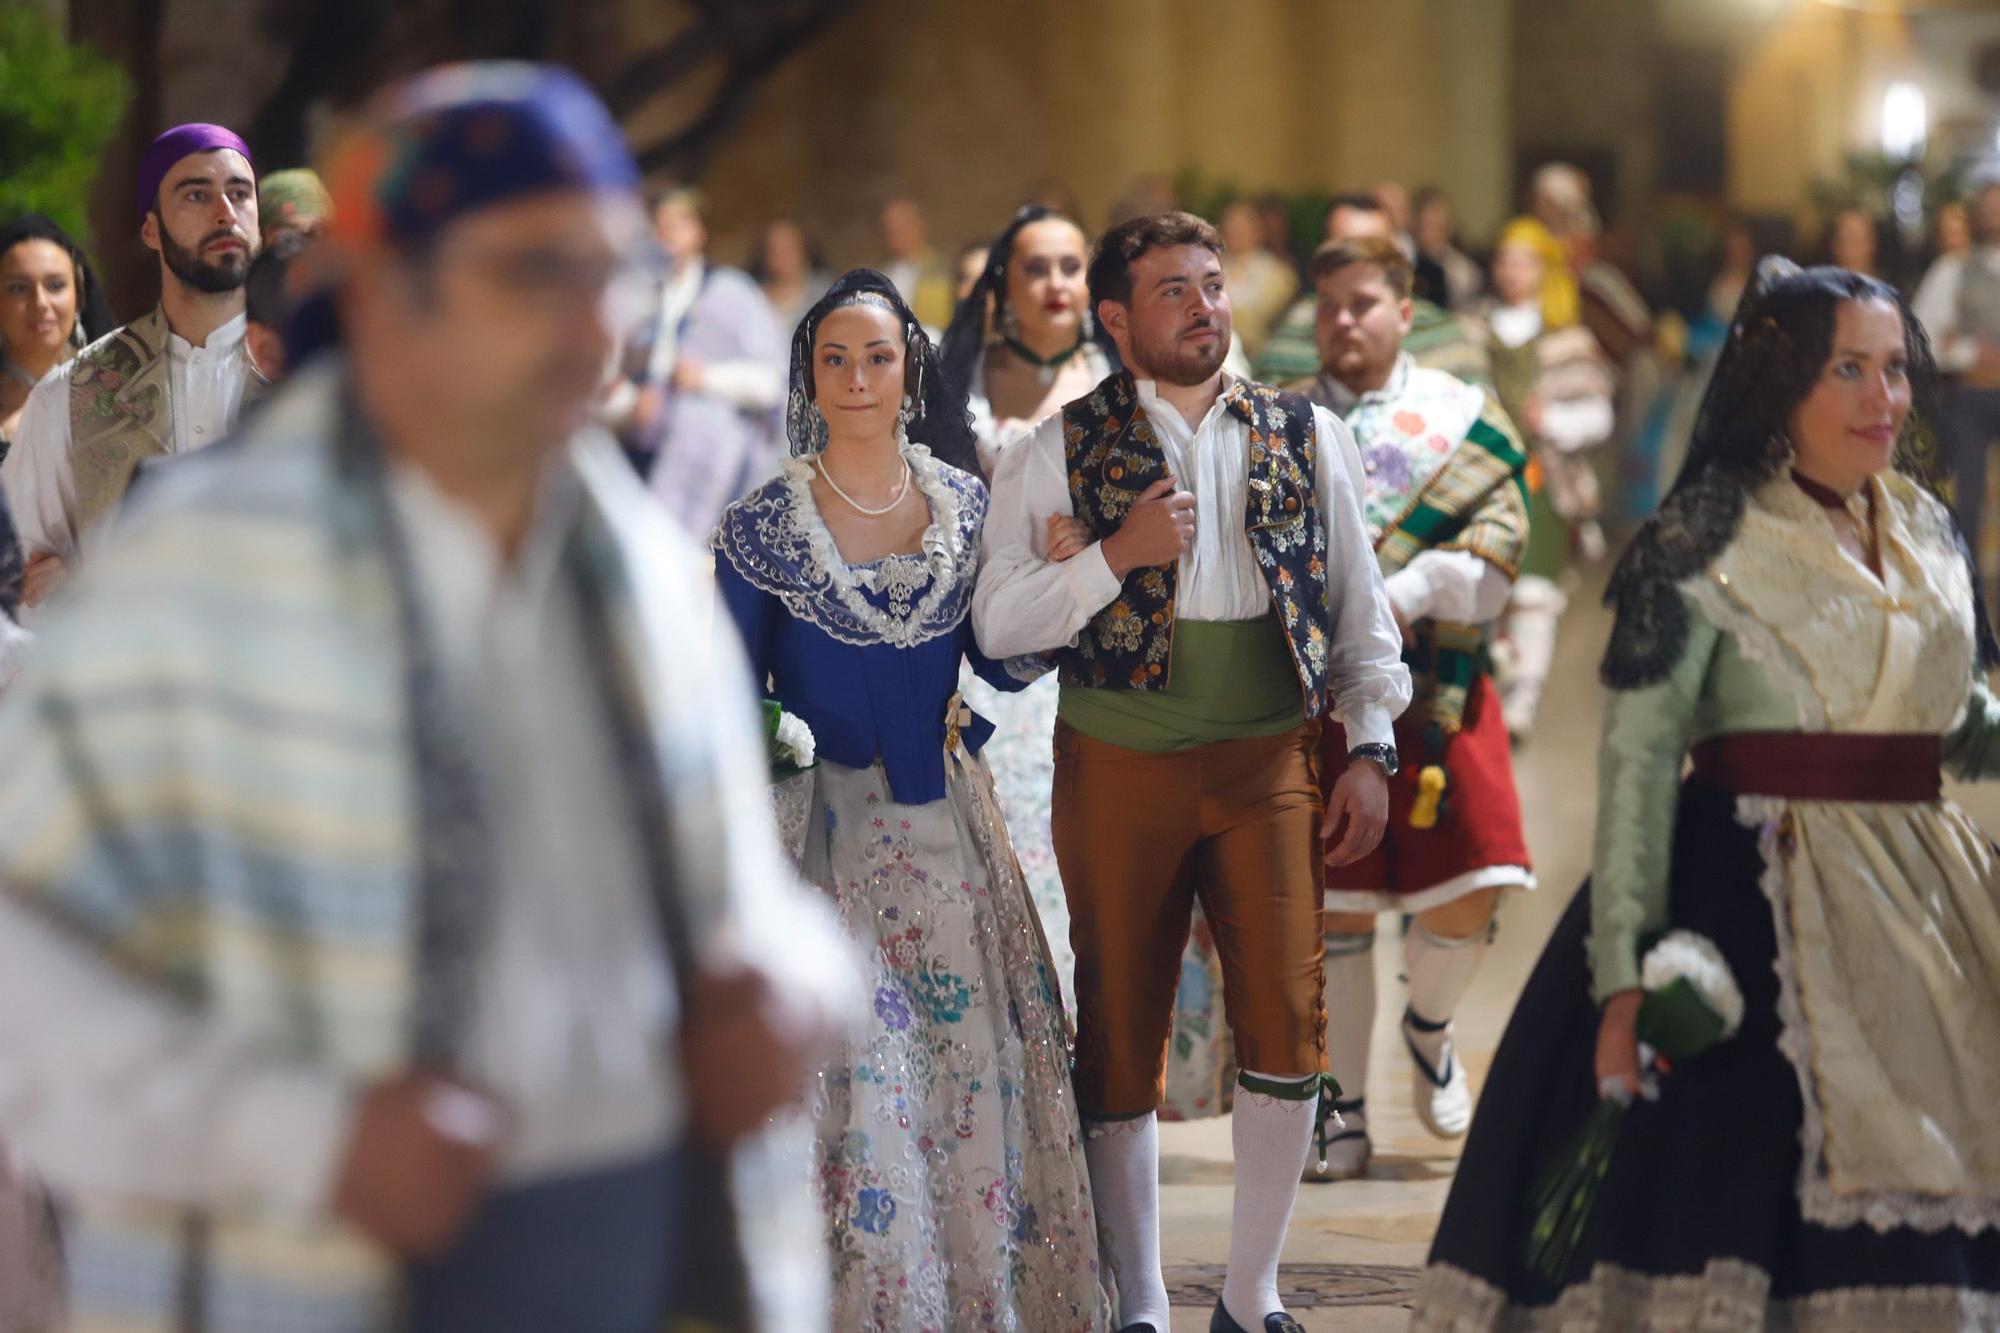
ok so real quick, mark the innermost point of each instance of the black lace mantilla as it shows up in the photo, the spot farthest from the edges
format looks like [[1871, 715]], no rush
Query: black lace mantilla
[[1778, 344], [937, 418]]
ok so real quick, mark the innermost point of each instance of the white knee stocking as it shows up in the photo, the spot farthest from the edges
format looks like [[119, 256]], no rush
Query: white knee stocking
[[1124, 1161], [1532, 616], [1439, 969], [1271, 1136]]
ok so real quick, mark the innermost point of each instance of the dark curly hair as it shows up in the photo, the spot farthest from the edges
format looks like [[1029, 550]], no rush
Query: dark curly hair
[[93, 312], [1118, 249]]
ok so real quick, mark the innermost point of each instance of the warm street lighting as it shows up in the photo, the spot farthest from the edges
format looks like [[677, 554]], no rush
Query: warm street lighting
[[1904, 121]]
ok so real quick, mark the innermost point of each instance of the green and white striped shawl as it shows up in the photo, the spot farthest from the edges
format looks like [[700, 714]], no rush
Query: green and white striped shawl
[[1477, 502]]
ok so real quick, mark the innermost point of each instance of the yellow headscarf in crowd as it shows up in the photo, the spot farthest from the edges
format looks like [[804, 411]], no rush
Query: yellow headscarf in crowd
[[1561, 306]]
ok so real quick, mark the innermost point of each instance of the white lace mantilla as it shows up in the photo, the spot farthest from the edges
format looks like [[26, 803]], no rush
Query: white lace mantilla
[[776, 539], [1728, 1296]]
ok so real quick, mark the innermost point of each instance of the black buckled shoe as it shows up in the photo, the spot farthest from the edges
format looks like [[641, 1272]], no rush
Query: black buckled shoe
[[1275, 1322]]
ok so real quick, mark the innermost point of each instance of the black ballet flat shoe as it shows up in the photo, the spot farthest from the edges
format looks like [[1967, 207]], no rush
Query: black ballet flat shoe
[[1275, 1322]]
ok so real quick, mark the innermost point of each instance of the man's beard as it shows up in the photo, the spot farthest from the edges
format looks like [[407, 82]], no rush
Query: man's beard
[[1351, 365], [225, 275], [1176, 362]]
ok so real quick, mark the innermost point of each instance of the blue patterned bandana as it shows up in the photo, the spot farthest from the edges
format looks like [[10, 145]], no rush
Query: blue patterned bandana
[[459, 138]]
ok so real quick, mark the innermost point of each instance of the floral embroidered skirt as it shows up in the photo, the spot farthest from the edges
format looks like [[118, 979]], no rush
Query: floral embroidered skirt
[[950, 1161], [1699, 1224], [1021, 756]]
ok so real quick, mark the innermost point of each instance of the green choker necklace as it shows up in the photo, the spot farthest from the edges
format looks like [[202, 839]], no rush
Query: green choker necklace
[[1045, 368]]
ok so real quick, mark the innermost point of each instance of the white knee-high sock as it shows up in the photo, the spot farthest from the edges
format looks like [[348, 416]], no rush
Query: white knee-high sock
[[1271, 1136], [1533, 614], [1124, 1161], [1350, 1010], [1439, 969]]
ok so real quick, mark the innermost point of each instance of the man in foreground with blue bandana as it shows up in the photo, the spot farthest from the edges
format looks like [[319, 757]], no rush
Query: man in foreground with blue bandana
[[386, 856]]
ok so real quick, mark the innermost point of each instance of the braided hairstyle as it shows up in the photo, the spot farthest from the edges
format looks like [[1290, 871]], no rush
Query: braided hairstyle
[[1778, 345], [938, 419]]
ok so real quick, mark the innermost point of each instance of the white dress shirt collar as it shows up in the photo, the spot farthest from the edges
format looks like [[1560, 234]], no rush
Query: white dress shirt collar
[[676, 300], [454, 548], [222, 341], [1159, 409], [1342, 401]]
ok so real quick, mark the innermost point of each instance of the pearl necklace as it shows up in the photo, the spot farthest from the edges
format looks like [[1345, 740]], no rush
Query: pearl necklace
[[902, 490]]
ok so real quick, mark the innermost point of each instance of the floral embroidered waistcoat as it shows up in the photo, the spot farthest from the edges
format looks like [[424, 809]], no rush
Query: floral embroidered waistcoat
[[121, 410], [1113, 456]]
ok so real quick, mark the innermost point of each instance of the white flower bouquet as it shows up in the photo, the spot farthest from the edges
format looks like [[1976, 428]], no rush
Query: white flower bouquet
[[1691, 1002], [790, 742]]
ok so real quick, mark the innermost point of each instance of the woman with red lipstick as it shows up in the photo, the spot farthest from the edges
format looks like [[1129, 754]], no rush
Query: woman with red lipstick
[[1021, 345], [1022, 342], [1799, 621], [49, 307]]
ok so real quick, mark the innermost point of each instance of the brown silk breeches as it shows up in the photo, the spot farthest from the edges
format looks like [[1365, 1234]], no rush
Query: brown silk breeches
[[1140, 838]]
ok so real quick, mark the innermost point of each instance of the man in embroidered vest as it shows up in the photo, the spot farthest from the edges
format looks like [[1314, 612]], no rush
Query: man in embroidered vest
[[171, 381], [396, 944], [1447, 508], [1219, 599]]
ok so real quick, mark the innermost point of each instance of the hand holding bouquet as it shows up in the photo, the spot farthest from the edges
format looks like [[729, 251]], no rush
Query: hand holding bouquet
[[1690, 1002], [790, 742]]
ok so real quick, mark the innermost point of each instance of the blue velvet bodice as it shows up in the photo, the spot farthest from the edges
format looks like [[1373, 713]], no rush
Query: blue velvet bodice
[[867, 655]]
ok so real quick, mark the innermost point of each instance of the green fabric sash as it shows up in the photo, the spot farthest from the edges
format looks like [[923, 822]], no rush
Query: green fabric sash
[[1230, 679]]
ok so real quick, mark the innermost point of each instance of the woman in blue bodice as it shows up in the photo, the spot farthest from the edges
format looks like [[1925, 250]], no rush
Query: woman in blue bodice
[[948, 1158]]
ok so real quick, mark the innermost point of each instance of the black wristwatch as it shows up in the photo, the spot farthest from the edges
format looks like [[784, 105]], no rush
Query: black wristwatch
[[1384, 755]]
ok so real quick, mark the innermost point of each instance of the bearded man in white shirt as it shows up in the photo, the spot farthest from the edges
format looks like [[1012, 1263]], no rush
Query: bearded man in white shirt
[[1190, 547], [171, 381]]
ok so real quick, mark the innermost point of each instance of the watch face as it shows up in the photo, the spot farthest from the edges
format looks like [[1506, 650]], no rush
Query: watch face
[[1384, 755]]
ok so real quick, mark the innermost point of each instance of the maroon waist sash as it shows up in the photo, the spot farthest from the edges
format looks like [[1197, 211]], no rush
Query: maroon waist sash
[[1823, 766]]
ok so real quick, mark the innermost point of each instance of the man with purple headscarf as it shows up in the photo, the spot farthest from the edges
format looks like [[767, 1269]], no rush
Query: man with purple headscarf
[[393, 929], [171, 381]]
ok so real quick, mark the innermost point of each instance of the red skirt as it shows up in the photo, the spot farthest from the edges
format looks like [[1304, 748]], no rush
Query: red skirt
[[1476, 842]]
